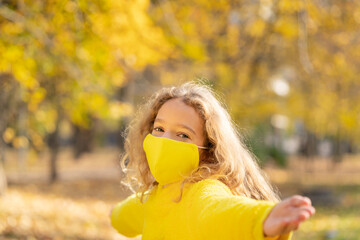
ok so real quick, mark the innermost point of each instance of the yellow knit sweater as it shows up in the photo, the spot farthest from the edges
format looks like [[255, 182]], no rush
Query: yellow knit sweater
[[207, 211]]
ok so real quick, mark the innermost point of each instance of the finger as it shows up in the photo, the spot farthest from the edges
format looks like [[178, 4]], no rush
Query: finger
[[293, 224], [296, 217], [111, 210], [293, 227], [285, 225], [298, 200], [301, 214], [307, 200], [310, 210], [288, 225], [299, 217]]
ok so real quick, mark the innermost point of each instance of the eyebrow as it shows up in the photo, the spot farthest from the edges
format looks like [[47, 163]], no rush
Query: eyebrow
[[181, 125]]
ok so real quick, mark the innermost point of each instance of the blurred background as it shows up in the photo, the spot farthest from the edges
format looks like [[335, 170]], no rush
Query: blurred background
[[73, 72]]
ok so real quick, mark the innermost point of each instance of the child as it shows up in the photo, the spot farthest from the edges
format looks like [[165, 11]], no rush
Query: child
[[195, 179]]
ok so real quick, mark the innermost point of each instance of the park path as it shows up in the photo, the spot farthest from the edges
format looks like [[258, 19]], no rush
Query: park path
[[102, 164]]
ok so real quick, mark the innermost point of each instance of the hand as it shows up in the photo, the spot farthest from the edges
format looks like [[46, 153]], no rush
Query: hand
[[287, 215], [112, 208]]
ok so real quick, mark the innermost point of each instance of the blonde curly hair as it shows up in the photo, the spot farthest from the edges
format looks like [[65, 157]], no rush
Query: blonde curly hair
[[227, 160]]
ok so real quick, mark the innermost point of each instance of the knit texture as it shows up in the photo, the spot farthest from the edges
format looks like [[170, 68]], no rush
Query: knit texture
[[207, 210]]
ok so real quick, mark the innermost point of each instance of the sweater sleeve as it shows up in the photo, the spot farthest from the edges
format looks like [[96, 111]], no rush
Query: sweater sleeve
[[127, 217], [215, 213]]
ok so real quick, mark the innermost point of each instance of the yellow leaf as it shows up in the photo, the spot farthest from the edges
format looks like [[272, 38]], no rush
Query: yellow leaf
[[339, 59], [8, 135], [119, 109], [20, 142], [194, 50], [291, 6], [256, 28], [47, 119], [287, 27], [25, 77]]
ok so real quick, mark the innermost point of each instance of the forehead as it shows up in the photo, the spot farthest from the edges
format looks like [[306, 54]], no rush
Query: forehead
[[175, 111]]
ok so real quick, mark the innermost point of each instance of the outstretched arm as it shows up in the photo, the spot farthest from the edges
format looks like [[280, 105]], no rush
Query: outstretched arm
[[215, 213], [127, 217], [287, 215]]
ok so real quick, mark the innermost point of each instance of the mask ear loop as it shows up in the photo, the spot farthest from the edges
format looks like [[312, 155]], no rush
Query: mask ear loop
[[203, 147]]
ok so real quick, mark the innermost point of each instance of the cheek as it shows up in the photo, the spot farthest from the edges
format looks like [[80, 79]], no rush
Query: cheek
[[199, 141]]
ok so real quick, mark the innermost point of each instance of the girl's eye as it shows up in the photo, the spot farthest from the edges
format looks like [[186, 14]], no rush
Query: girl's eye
[[158, 129], [183, 135]]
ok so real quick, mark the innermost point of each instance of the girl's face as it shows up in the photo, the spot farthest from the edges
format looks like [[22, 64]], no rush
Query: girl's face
[[180, 122]]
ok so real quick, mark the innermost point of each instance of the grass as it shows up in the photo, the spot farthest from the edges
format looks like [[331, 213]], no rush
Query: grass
[[336, 222]]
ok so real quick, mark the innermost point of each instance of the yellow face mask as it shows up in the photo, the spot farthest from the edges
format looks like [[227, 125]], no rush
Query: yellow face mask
[[170, 160]]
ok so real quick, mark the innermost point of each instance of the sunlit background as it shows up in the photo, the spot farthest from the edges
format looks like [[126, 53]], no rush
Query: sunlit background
[[73, 72]]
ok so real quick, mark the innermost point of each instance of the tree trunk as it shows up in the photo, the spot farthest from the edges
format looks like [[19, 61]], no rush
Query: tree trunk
[[2, 149], [3, 181], [309, 149], [83, 139], [337, 153], [53, 143], [9, 100]]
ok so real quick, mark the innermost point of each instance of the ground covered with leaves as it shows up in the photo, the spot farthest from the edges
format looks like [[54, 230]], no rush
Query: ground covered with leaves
[[67, 210]]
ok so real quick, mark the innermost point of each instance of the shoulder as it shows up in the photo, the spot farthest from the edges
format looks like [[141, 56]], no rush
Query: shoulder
[[209, 187], [135, 200], [131, 202]]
